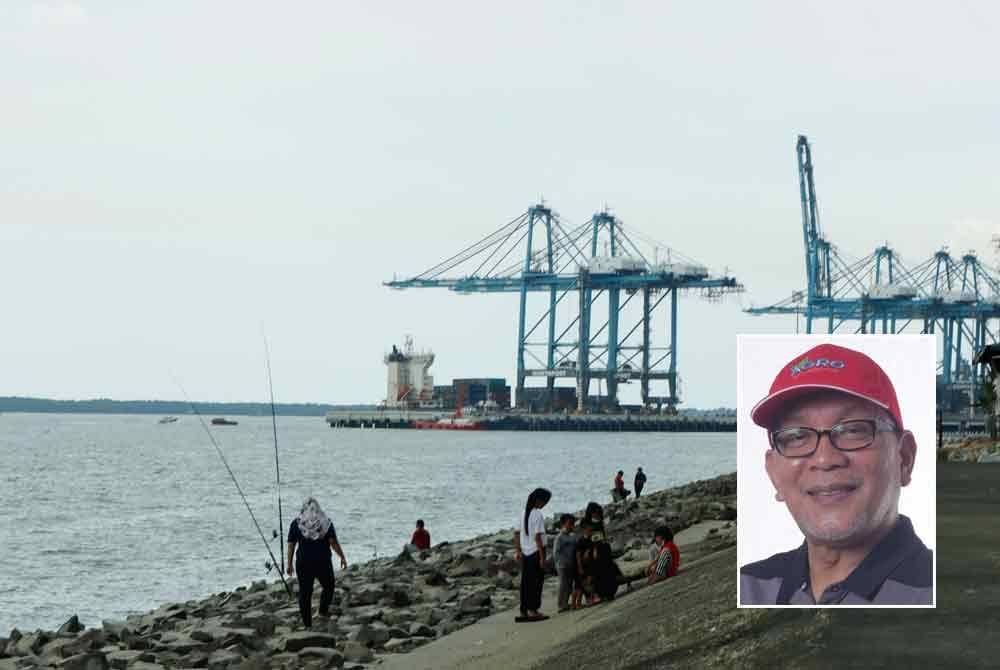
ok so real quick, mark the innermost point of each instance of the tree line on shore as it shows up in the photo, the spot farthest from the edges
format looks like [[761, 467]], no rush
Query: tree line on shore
[[108, 406]]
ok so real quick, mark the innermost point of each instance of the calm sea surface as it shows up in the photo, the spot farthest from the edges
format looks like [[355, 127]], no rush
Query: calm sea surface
[[105, 515]]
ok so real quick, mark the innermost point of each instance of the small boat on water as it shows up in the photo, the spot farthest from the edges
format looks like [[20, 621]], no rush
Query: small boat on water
[[451, 423], [168, 419], [219, 421]]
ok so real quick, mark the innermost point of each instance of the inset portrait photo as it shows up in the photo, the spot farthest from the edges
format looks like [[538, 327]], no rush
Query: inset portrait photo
[[836, 470]]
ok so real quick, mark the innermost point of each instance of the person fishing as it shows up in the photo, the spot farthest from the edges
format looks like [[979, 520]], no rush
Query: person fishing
[[529, 549], [640, 482], [313, 534]]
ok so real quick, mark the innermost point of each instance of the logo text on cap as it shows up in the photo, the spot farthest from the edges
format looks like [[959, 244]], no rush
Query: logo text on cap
[[807, 364]]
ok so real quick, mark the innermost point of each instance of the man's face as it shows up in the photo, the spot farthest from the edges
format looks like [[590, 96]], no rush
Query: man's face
[[841, 498]]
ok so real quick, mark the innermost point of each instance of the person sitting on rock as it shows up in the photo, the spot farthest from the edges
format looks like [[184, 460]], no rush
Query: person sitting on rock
[[421, 537], [619, 492], [668, 558], [314, 535]]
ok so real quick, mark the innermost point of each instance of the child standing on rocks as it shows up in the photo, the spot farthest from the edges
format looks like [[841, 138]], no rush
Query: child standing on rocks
[[564, 552]]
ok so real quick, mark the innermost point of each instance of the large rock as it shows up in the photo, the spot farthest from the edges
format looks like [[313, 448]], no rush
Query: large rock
[[372, 634], [399, 644], [30, 645], [285, 661], [469, 566], [116, 629], [53, 651], [356, 652], [421, 630], [180, 644], [123, 657], [262, 622], [332, 658], [167, 612], [296, 642], [990, 458], [400, 598], [434, 616], [72, 626], [368, 595], [398, 617], [436, 578], [223, 658], [366, 614], [474, 602], [93, 660]]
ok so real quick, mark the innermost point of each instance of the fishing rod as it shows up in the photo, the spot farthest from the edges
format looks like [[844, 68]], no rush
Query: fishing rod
[[274, 427], [222, 456]]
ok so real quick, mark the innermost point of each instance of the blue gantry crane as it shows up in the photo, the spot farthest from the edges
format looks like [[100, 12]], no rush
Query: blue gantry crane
[[959, 299], [590, 337]]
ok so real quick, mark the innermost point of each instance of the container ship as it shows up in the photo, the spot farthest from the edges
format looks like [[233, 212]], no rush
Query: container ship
[[412, 401]]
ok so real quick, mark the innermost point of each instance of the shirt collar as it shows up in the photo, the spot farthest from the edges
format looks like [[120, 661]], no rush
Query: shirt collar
[[871, 573]]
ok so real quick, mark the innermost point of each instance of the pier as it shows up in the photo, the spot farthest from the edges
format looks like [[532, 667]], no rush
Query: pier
[[402, 419]]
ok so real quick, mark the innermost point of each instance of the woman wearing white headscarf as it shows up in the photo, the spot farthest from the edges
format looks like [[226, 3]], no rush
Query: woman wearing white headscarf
[[314, 534]]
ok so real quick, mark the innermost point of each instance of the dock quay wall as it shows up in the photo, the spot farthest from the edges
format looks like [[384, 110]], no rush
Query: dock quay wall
[[542, 422]]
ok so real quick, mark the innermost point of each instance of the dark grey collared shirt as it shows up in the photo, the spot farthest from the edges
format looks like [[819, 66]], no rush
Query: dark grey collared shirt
[[898, 571]]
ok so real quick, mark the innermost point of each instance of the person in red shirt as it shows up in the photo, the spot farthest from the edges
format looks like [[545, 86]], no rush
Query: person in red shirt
[[421, 538], [619, 492], [668, 558]]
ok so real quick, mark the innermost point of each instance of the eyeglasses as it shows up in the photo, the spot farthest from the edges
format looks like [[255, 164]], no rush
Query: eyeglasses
[[852, 435]]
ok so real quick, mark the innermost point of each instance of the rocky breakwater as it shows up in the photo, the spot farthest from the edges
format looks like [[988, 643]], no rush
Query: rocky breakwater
[[381, 607], [970, 450]]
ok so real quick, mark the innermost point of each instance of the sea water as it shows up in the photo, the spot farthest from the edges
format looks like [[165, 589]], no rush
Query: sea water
[[107, 515]]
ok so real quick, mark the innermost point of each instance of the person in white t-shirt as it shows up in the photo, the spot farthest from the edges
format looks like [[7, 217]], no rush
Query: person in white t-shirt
[[529, 549]]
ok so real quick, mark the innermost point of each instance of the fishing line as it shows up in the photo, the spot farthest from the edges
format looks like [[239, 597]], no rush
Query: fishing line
[[274, 426], [222, 456]]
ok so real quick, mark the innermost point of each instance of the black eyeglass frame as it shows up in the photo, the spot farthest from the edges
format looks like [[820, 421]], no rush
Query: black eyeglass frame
[[877, 426]]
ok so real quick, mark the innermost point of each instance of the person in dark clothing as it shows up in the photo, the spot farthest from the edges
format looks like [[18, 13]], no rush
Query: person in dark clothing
[[421, 537], [313, 534], [594, 516], [640, 482], [529, 549], [584, 559], [603, 571]]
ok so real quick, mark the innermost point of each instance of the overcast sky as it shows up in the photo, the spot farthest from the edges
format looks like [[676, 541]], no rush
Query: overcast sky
[[176, 174]]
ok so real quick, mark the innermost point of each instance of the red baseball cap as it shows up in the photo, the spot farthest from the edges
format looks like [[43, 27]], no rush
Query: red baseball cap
[[832, 368]]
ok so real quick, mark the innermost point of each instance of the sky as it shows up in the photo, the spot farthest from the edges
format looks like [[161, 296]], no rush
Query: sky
[[179, 179]]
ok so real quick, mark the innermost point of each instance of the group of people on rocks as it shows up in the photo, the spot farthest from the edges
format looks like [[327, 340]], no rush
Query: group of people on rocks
[[619, 492], [583, 562], [582, 559]]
